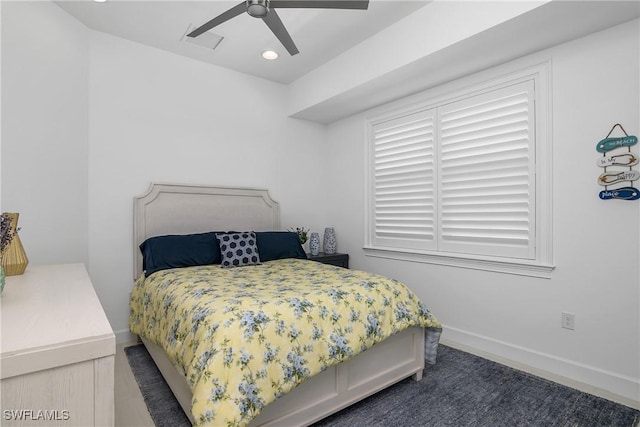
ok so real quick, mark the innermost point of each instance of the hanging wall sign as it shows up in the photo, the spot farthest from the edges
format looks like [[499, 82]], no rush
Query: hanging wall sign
[[609, 144], [616, 177], [625, 159], [618, 162], [624, 193]]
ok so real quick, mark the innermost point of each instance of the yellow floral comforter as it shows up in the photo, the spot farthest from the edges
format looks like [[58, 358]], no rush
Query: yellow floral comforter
[[245, 336]]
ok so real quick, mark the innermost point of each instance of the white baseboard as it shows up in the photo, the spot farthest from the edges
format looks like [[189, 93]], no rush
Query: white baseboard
[[125, 336], [589, 379]]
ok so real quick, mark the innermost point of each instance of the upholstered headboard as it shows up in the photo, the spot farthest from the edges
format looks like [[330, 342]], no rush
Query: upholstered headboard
[[184, 209]]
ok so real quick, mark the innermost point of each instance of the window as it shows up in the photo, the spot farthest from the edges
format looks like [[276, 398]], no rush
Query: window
[[463, 179]]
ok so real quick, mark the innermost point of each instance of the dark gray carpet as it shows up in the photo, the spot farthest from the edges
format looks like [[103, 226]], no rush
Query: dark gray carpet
[[163, 407], [459, 390]]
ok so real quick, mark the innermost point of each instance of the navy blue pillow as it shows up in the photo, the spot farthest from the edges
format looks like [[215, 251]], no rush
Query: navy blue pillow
[[172, 251], [279, 244]]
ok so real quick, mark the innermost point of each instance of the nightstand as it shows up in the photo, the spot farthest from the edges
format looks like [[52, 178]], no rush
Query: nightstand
[[341, 260]]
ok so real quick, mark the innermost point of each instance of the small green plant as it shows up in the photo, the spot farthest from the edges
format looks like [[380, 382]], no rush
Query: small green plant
[[303, 234]]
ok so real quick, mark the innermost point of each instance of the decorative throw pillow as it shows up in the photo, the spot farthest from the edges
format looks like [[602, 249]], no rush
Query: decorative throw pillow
[[238, 249]]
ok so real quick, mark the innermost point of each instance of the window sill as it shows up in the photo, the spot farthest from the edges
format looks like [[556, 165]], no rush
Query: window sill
[[517, 267]]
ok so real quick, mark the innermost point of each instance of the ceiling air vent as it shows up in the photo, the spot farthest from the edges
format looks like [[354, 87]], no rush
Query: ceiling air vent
[[207, 40]]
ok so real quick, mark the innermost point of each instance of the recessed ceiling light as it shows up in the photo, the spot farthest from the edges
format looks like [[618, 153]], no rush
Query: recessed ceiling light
[[100, 1], [270, 55]]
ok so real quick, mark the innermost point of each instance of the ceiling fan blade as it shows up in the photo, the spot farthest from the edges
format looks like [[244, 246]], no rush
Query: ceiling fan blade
[[320, 4], [275, 24], [231, 13]]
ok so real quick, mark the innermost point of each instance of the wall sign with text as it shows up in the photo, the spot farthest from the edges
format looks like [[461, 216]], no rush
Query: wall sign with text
[[617, 162]]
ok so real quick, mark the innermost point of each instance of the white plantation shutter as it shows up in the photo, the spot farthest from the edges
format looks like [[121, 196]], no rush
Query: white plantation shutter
[[463, 178], [403, 182], [486, 166]]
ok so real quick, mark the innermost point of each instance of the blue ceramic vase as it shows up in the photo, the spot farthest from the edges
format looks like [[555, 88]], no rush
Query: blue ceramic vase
[[314, 244], [329, 243]]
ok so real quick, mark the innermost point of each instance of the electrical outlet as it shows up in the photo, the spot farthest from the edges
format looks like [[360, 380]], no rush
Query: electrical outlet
[[568, 321]]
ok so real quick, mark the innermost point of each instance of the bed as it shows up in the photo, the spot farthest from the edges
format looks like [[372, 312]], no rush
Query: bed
[[297, 388]]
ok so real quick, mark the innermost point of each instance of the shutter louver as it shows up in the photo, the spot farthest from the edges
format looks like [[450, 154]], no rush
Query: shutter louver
[[486, 152], [403, 187]]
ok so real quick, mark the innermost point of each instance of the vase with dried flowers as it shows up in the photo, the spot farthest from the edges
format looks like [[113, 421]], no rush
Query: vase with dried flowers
[[13, 259], [5, 238]]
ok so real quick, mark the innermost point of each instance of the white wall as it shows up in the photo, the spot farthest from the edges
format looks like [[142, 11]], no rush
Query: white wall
[[158, 117], [45, 87], [441, 42], [595, 83], [90, 120], [431, 29]]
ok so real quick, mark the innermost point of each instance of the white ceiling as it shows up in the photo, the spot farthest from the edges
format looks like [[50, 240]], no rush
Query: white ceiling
[[320, 34]]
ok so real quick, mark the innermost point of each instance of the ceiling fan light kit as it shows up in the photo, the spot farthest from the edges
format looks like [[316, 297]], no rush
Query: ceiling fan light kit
[[266, 10], [258, 8]]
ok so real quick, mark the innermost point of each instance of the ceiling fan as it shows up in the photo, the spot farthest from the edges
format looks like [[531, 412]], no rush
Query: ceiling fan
[[266, 9]]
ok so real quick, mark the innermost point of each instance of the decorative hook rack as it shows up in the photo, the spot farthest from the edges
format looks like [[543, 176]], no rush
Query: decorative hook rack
[[611, 147]]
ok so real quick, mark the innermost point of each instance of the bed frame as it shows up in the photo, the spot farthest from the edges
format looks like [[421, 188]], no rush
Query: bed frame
[[183, 209]]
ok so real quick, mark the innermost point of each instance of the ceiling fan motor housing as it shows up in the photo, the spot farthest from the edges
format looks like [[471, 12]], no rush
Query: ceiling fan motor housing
[[258, 8]]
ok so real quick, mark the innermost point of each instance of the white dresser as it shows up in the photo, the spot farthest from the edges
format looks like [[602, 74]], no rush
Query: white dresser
[[57, 350]]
